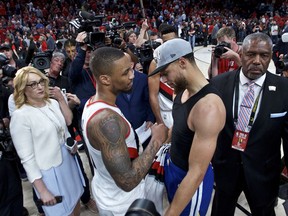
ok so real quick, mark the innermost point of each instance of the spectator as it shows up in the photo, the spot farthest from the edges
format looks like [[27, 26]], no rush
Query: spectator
[[43, 44], [50, 41], [274, 32]]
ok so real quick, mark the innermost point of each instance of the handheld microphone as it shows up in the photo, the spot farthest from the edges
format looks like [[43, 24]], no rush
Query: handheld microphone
[[70, 143], [86, 15], [59, 199]]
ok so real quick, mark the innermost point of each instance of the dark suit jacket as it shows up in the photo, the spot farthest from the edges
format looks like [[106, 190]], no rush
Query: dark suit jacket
[[261, 159], [137, 109]]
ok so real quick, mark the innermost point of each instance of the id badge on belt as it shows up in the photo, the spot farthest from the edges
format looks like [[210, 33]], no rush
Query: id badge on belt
[[240, 140]]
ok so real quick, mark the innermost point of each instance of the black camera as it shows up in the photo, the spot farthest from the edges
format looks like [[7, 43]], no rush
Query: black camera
[[220, 49], [6, 144], [42, 60], [146, 51], [142, 207], [93, 38], [129, 25], [88, 22], [282, 64], [7, 70]]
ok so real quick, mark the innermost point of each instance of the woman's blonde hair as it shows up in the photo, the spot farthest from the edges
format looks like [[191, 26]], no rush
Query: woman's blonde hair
[[20, 82]]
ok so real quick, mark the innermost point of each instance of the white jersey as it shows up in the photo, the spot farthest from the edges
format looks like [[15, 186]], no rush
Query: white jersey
[[165, 98], [107, 194]]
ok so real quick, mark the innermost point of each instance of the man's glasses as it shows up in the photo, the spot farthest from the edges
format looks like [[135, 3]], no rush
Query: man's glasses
[[34, 85]]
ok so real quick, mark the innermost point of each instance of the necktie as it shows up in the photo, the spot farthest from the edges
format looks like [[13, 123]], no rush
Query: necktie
[[246, 107]]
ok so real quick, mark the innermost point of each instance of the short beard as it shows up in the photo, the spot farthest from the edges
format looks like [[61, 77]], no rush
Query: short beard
[[180, 85]]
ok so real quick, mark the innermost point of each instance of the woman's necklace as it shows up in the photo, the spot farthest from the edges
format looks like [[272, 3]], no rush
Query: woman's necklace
[[55, 121]]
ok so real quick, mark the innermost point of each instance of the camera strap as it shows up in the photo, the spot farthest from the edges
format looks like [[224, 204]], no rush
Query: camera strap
[[91, 77]]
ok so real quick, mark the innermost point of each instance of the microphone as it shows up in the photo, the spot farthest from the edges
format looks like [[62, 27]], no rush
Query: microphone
[[86, 15], [70, 143]]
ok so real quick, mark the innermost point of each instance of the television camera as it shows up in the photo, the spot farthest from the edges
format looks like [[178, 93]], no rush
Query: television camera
[[8, 71], [41, 60], [145, 53], [89, 23]]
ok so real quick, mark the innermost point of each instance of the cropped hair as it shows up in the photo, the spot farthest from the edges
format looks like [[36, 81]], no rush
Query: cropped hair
[[226, 31], [102, 60], [165, 28], [58, 54], [20, 83], [258, 36], [69, 43], [190, 58]]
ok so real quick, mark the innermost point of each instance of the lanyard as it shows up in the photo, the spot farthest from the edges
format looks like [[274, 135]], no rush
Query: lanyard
[[251, 119], [91, 78]]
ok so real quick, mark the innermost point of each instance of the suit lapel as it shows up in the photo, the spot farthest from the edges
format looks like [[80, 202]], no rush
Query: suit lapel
[[229, 98], [265, 103]]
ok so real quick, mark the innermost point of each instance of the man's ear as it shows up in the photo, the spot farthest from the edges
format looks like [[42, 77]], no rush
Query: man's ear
[[105, 80], [182, 62]]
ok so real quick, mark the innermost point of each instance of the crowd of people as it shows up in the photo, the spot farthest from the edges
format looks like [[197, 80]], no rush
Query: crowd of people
[[105, 70]]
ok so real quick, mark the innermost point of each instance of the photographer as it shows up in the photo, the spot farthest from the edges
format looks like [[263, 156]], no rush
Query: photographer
[[53, 73], [282, 65], [81, 79], [279, 51], [13, 60], [226, 55], [11, 194]]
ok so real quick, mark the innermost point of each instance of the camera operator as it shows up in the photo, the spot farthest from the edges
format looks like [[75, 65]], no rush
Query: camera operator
[[11, 193], [53, 73], [70, 50], [13, 60], [282, 65], [120, 43], [279, 51], [81, 79], [226, 55]]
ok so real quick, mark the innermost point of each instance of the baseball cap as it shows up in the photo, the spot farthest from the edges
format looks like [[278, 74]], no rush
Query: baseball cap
[[169, 52]]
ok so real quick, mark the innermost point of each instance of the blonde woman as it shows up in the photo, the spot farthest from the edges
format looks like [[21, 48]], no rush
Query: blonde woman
[[39, 131]]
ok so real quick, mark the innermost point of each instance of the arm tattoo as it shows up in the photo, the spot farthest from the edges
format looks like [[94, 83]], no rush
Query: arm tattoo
[[110, 133], [110, 128]]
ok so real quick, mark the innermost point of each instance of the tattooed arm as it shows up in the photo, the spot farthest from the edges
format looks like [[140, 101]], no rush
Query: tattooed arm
[[106, 132]]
